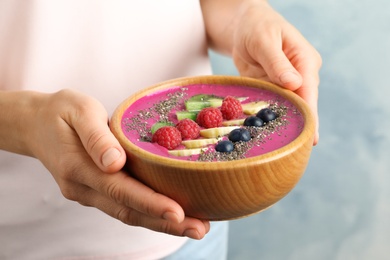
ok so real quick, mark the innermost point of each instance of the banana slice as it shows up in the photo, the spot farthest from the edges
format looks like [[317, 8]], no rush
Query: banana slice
[[253, 107], [234, 122], [197, 143], [217, 131], [186, 152]]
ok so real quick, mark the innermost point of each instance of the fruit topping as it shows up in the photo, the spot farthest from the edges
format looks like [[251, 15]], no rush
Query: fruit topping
[[198, 102], [233, 122], [252, 108], [266, 115], [186, 114], [209, 117], [186, 152], [253, 121], [158, 125], [168, 137], [231, 108], [197, 143], [239, 134], [188, 128], [224, 146], [217, 131]]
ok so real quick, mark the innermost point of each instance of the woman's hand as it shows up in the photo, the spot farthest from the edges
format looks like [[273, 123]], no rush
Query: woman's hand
[[265, 46], [69, 134]]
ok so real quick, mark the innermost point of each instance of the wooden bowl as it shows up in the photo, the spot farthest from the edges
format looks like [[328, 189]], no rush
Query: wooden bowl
[[228, 189]]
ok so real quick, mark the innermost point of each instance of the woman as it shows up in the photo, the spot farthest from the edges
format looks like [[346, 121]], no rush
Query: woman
[[65, 66]]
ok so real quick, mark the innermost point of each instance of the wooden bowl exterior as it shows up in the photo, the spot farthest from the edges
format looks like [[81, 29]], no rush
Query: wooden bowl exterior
[[221, 190]]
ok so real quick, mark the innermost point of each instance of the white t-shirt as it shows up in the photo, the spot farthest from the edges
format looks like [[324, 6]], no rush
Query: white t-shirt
[[109, 50]]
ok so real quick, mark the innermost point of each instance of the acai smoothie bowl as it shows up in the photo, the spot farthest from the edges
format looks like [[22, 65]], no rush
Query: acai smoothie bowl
[[223, 147]]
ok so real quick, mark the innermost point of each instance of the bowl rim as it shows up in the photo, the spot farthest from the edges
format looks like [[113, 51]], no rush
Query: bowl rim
[[306, 133]]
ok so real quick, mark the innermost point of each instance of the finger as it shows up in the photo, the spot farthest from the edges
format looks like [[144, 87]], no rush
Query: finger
[[252, 70], [125, 190], [309, 67], [309, 92], [92, 127], [275, 51], [278, 67], [190, 227]]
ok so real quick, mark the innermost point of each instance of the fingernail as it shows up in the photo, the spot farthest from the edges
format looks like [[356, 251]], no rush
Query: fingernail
[[288, 77], [192, 233], [110, 156], [171, 216]]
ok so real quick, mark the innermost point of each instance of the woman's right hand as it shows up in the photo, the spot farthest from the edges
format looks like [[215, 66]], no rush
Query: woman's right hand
[[68, 132]]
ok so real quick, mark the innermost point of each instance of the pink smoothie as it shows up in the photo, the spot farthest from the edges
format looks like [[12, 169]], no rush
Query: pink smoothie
[[142, 114]]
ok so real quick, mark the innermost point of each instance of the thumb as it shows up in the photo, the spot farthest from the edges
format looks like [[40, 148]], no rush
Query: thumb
[[99, 142]]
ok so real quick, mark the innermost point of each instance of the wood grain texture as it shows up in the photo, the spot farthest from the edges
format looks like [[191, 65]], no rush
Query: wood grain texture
[[221, 190]]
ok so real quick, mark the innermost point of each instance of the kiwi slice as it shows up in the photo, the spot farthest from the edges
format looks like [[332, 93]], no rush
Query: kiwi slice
[[186, 114], [198, 102], [160, 124]]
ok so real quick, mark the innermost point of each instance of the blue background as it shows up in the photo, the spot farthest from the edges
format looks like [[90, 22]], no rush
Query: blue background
[[341, 207]]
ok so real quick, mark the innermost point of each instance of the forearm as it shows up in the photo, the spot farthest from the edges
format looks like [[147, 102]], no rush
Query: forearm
[[16, 111], [221, 19]]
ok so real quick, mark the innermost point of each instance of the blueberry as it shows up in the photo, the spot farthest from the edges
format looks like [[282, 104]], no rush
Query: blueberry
[[224, 146], [239, 134], [266, 115], [253, 121]]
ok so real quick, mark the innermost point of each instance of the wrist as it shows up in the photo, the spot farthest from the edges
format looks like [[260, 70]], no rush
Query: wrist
[[223, 19], [17, 109]]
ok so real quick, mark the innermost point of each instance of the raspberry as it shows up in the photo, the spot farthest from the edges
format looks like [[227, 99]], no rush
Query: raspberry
[[231, 108], [188, 128], [167, 136], [209, 117]]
